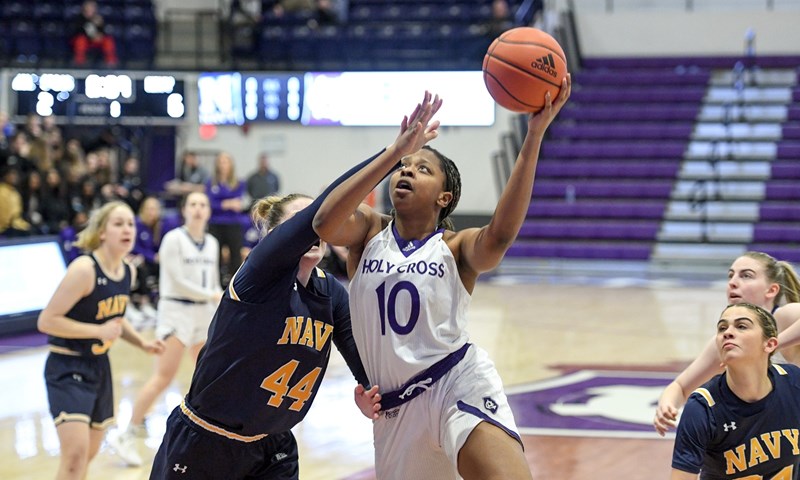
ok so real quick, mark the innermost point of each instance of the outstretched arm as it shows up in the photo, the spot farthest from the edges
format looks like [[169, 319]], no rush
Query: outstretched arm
[[674, 396], [339, 220], [787, 317], [482, 249]]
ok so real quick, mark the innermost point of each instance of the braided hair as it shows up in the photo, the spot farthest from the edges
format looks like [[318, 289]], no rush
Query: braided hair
[[452, 184]]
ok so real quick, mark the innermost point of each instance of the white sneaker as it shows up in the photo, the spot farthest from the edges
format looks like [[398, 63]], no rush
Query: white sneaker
[[124, 445], [136, 431]]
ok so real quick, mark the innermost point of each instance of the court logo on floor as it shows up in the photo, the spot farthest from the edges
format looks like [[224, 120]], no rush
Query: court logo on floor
[[590, 403]]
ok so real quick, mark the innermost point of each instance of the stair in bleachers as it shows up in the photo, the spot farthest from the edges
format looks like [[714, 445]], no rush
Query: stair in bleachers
[[670, 161]]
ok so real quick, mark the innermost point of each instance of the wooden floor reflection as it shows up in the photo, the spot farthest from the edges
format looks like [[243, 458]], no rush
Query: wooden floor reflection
[[527, 328]]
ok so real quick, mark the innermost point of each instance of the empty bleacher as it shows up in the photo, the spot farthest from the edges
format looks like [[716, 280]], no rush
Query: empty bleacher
[[670, 160]]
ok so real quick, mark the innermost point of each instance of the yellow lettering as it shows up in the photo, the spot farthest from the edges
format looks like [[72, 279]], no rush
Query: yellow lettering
[[111, 307], [292, 330], [104, 308], [774, 444], [735, 461], [123, 303], [101, 348], [308, 334], [322, 335], [757, 454], [792, 436]]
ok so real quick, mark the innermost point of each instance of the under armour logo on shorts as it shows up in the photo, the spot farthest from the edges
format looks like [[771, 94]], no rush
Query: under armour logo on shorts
[[77, 377], [178, 468], [490, 404]]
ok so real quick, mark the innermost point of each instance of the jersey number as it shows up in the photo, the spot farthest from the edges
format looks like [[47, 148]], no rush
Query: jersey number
[[785, 474], [386, 307], [278, 383]]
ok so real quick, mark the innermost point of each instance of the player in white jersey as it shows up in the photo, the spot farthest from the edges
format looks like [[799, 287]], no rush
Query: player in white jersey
[[189, 292], [445, 415]]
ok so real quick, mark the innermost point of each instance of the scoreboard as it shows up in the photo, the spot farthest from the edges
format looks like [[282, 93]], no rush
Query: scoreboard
[[93, 98]]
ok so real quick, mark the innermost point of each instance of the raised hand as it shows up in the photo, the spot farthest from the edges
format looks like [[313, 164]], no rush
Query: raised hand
[[539, 121], [416, 129]]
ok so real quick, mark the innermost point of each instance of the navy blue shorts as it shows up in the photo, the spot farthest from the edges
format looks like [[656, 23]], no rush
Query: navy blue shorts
[[189, 451], [80, 389]]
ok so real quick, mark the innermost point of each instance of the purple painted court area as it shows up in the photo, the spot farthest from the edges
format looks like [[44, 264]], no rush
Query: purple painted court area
[[590, 403], [13, 343]]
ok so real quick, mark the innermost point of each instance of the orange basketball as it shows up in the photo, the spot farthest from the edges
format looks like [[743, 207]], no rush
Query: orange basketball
[[521, 65]]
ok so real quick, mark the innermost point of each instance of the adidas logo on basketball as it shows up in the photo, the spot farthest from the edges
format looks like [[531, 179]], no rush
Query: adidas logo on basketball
[[546, 64]]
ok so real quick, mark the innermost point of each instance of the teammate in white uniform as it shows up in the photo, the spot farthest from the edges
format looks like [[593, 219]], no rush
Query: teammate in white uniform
[[445, 413], [189, 291]]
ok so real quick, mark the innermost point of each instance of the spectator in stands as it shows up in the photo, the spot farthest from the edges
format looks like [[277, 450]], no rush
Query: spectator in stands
[[144, 257], [501, 19], [6, 131], [11, 222], [74, 165], [19, 155], [87, 197], [325, 13], [129, 188], [31, 191], [89, 34], [226, 194], [264, 181], [191, 177], [69, 235], [55, 202], [54, 141]]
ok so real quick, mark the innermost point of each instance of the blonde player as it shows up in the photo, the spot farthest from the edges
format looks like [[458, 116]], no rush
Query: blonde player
[[85, 316], [189, 294], [445, 413]]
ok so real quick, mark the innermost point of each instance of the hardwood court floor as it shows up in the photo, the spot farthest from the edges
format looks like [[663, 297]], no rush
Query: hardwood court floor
[[533, 331]]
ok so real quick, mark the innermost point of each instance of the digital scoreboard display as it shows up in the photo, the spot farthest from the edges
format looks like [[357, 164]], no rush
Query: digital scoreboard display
[[234, 98], [90, 96], [353, 99]]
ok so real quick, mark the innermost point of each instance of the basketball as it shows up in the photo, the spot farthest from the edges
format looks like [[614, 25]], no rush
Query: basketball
[[521, 65]]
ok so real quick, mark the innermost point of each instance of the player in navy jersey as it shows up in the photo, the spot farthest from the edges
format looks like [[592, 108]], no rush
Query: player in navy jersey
[[83, 318], [744, 423], [412, 276], [268, 347], [754, 277]]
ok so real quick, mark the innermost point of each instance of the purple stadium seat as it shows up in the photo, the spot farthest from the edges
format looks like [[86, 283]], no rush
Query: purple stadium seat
[[622, 131], [652, 149], [787, 212]]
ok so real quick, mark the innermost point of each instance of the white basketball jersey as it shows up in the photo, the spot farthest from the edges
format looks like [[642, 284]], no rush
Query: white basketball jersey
[[408, 306], [188, 270]]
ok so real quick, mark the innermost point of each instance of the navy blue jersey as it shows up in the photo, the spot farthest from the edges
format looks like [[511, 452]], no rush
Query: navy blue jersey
[[108, 300], [269, 343], [724, 437]]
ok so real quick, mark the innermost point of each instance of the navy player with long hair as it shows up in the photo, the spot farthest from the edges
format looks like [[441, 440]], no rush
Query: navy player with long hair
[[83, 318], [445, 412], [269, 343], [744, 423], [754, 277]]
